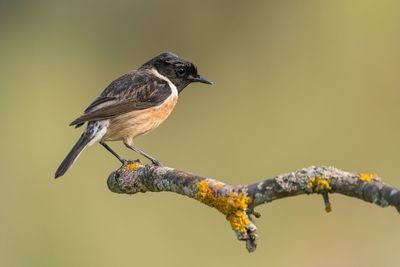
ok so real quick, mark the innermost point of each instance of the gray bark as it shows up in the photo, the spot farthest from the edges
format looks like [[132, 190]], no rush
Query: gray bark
[[237, 203]]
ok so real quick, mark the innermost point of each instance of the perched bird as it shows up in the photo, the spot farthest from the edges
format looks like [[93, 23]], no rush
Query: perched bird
[[132, 105]]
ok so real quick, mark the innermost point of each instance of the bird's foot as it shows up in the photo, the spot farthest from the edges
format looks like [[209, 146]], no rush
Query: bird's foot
[[127, 161], [156, 162]]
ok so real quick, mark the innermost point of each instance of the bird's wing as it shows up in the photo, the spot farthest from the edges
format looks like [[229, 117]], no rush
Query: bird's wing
[[133, 91]]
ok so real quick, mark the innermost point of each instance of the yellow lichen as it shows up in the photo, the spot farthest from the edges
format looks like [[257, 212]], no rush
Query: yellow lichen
[[367, 177], [133, 166], [328, 208], [232, 206], [319, 184]]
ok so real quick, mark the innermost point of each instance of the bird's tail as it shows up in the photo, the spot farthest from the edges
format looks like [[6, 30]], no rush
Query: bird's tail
[[82, 143], [94, 131]]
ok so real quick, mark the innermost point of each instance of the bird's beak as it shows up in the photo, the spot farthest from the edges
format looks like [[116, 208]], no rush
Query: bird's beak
[[201, 79]]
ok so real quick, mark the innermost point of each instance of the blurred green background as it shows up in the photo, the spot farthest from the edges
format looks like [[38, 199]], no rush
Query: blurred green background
[[297, 83]]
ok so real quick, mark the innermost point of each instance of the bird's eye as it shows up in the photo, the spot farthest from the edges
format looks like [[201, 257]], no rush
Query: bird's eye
[[180, 71]]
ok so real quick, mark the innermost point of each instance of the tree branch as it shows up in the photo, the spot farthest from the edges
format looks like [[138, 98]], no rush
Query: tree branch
[[237, 203]]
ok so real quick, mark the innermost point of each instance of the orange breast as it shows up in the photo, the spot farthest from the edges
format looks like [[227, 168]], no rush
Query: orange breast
[[138, 122]]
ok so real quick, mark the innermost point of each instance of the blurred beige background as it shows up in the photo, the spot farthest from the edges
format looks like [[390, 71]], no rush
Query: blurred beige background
[[297, 83]]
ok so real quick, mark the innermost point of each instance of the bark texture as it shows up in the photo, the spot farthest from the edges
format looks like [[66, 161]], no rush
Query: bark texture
[[237, 203]]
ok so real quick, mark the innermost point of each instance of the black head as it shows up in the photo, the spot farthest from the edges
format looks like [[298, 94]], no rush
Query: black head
[[180, 72]]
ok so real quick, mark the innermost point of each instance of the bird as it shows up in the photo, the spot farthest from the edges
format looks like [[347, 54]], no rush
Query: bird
[[132, 105]]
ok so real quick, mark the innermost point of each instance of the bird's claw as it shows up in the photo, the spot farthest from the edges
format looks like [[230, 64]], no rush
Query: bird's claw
[[125, 162], [157, 163]]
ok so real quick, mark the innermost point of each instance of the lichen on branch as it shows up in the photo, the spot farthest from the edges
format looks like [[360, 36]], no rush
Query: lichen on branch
[[234, 206], [237, 203]]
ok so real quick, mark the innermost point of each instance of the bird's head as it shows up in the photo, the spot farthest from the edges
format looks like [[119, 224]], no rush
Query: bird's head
[[180, 72]]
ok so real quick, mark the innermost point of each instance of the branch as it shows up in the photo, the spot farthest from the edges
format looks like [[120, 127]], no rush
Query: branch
[[237, 203]]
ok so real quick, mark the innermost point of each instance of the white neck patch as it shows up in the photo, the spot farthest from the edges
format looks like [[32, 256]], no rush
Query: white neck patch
[[162, 77]]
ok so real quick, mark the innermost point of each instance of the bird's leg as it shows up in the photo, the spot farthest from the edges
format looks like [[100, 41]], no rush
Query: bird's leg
[[153, 160], [123, 161]]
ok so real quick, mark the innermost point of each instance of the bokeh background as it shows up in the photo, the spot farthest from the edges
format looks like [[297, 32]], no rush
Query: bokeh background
[[297, 83]]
